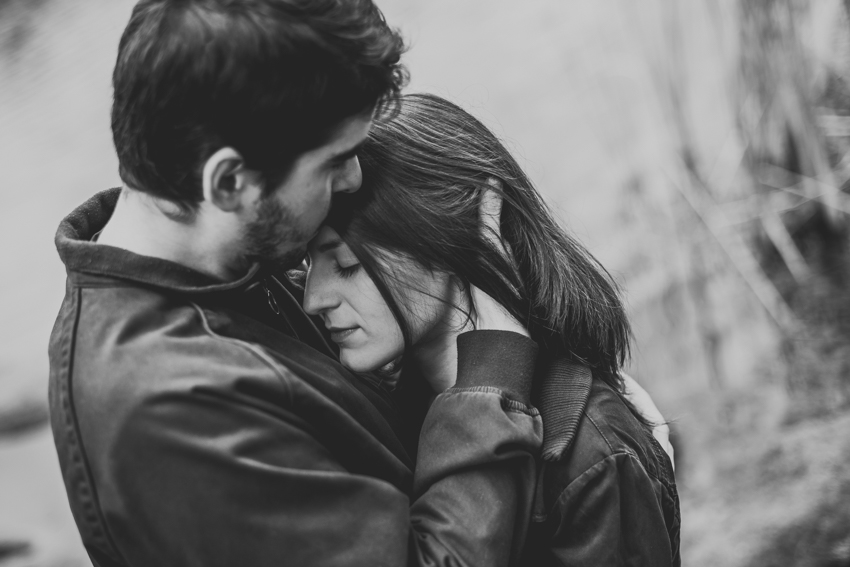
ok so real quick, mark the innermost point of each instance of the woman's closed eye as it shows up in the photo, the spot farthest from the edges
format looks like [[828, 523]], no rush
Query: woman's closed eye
[[346, 271]]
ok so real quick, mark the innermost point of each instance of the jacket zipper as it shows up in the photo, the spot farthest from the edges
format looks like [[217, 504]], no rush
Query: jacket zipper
[[271, 299]]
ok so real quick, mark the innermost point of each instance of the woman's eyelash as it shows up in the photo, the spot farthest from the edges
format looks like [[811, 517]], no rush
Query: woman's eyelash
[[347, 272]]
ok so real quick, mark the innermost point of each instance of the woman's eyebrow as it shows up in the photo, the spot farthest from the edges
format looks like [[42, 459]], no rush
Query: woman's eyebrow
[[348, 154], [329, 245]]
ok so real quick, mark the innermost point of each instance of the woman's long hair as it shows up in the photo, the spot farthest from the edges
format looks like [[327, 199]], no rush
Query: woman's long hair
[[424, 173]]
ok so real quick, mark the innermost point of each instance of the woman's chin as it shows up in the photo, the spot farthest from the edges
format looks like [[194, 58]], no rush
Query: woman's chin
[[362, 362], [356, 362]]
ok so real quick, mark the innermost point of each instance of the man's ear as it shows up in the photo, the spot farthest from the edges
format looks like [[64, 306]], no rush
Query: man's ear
[[226, 180]]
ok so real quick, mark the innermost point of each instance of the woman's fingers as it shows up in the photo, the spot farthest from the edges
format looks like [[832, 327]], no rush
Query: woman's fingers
[[489, 314], [642, 401], [490, 213]]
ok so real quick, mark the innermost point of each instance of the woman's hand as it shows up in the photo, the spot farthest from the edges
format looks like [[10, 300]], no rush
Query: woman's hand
[[489, 313], [642, 401]]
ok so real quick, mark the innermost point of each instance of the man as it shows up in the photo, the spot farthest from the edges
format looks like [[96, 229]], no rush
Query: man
[[199, 415]]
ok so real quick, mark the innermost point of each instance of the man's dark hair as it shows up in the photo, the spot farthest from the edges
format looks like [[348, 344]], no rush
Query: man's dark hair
[[270, 78]]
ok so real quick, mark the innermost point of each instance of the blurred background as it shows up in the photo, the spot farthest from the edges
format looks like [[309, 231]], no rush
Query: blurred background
[[700, 148]]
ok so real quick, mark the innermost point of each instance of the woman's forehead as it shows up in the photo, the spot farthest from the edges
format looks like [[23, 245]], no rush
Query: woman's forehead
[[325, 240]]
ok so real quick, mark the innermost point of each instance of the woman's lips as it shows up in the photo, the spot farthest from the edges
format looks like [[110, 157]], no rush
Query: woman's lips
[[339, 335]]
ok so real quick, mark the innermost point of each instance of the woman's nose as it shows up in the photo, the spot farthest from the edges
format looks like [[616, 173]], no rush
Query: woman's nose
[[317, 297], [350, 178]]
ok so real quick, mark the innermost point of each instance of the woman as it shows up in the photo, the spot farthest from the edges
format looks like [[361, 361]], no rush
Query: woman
[[392, 273]]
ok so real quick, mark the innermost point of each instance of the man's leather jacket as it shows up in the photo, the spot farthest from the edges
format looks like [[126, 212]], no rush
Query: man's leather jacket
[[201, 423]]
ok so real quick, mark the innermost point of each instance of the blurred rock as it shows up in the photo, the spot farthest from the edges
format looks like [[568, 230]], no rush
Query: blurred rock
[[12, 549], [820, 539], [23, 418], [779, 499], [17, 23]]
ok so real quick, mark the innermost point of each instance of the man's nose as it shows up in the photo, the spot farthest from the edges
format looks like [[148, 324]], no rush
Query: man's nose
[[350, 178]]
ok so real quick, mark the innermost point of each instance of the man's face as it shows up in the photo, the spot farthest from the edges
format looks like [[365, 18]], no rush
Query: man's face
[[290, 215]]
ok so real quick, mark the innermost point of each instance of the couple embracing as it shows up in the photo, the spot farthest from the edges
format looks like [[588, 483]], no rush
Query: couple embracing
[[323, 323]]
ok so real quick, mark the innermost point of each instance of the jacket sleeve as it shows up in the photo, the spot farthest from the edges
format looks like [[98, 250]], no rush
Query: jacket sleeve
[[235, 485], [610, 516]]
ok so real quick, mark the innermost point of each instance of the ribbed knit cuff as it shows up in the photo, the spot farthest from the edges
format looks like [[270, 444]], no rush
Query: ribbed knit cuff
[[498, 359], [562, 399]]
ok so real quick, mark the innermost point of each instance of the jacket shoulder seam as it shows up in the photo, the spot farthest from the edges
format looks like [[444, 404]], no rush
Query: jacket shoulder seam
[[73, 425], [625, 451], [599, 430], [103, 285]]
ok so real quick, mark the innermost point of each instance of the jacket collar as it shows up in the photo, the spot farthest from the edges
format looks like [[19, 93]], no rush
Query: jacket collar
[[83, 257]]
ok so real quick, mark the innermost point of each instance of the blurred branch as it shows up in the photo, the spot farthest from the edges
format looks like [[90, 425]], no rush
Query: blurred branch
[[778, 72], [738, 253], [751, 208], [807, 187], [834, 125], [784, 244]]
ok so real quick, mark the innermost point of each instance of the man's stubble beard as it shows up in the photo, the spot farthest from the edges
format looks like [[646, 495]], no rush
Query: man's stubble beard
[[270, 238]]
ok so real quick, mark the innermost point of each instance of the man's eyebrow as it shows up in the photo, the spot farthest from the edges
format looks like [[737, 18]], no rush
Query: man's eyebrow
[[348, 154], [329, 245]]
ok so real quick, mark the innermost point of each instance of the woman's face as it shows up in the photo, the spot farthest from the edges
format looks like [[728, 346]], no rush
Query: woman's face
[[340, 291]]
